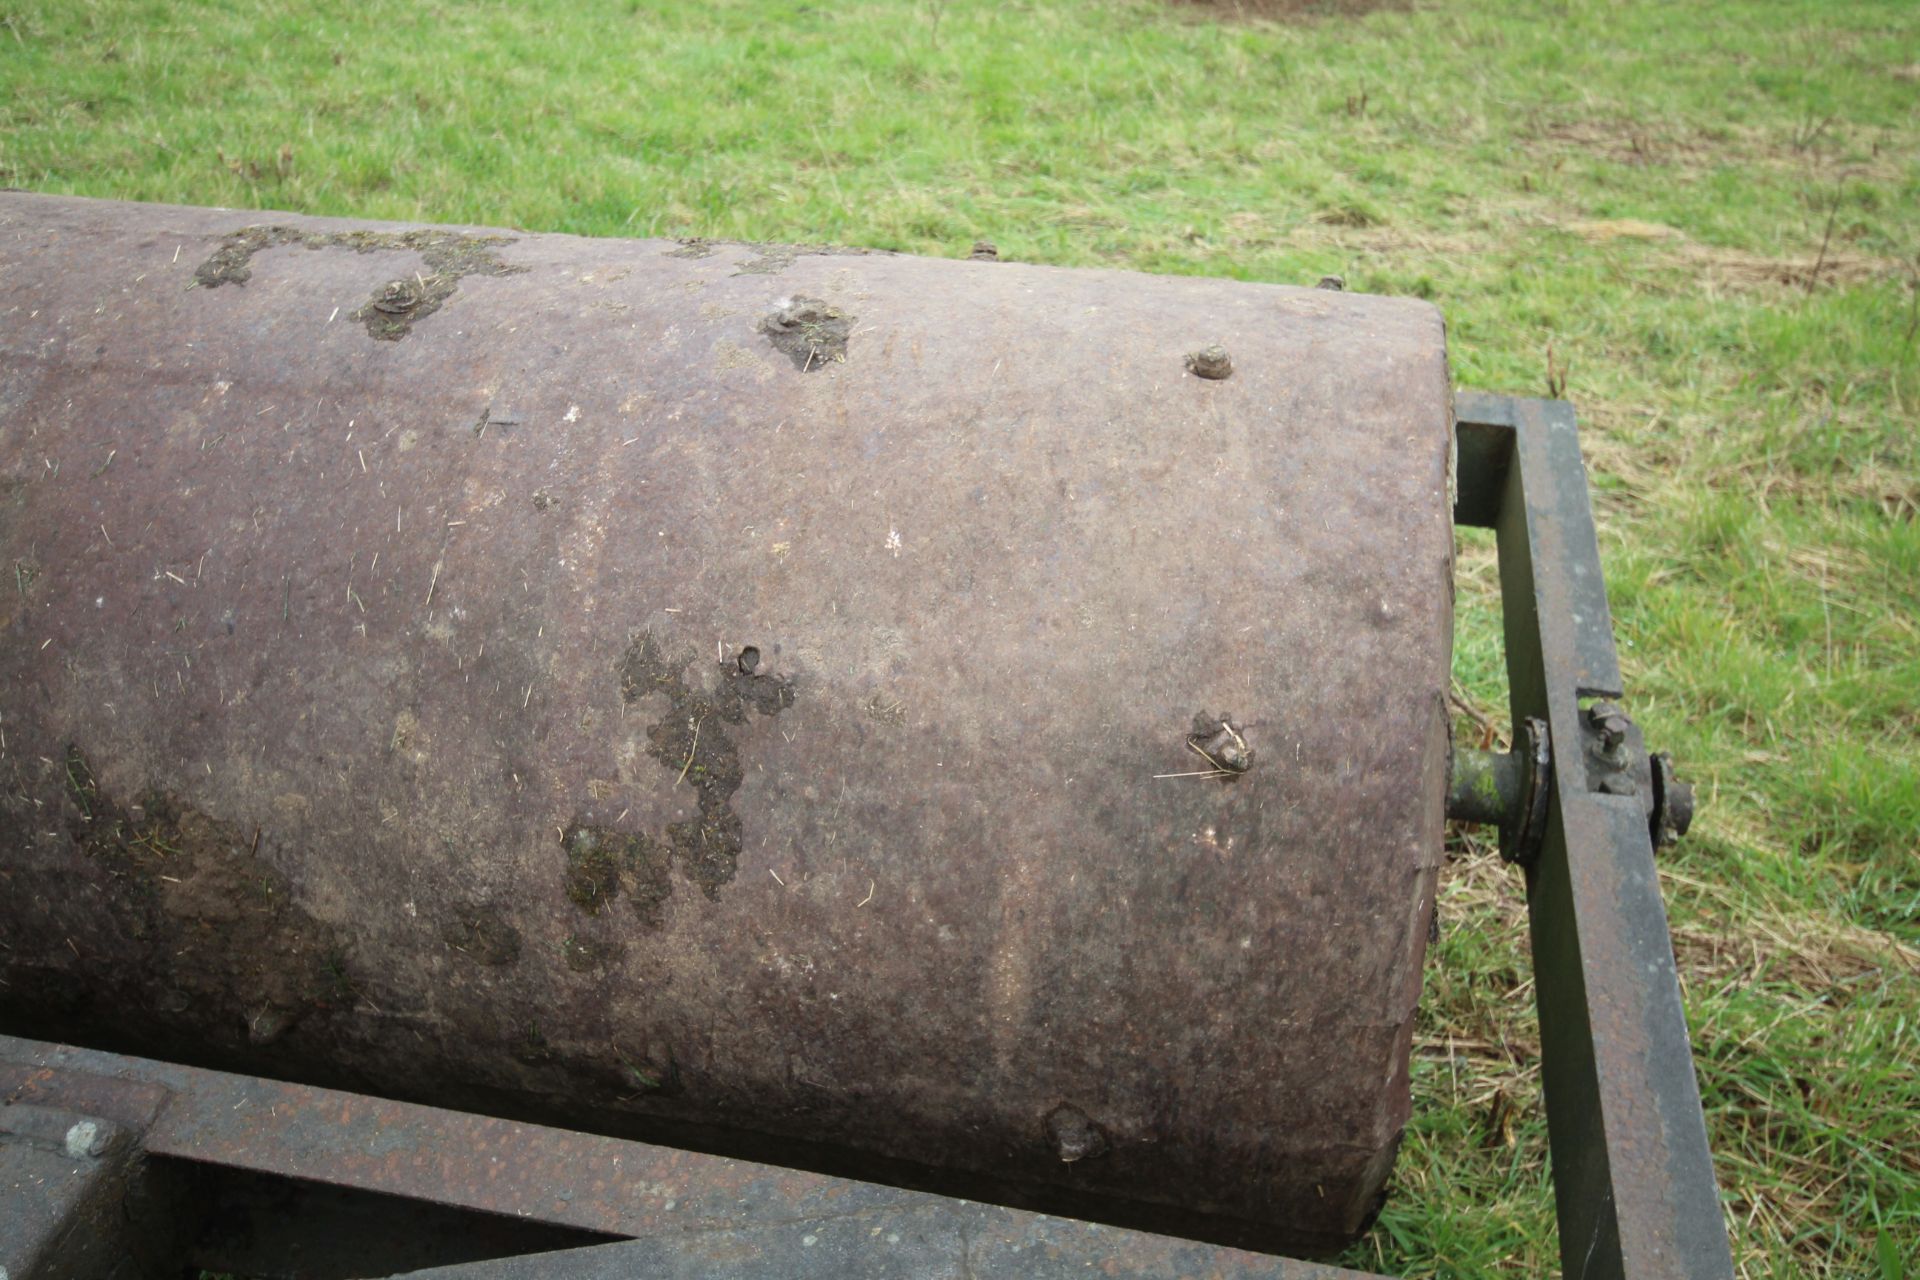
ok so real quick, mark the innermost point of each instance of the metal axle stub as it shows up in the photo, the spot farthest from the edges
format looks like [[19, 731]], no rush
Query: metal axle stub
[[1508, 789], [1505, 789]]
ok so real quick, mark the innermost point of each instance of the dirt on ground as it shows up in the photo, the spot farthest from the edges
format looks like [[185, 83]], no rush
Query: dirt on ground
[[1285, 10]]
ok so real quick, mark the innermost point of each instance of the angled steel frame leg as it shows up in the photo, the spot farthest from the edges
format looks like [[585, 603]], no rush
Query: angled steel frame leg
[[1633, 1179]]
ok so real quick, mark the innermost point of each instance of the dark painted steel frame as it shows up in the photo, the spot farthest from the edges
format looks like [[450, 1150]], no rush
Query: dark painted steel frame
[[1633, 1179], [632, 1208]]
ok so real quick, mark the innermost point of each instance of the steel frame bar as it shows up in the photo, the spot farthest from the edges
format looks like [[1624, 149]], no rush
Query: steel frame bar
[[661, 1211], [1633, 1179]]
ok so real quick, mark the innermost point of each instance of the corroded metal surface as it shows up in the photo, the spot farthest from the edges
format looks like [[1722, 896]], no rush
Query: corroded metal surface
[[578, 1180], [696, 1215], [378, 706], [935, 1240]]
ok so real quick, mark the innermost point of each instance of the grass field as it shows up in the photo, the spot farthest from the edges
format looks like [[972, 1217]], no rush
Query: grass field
[[1705, 217]]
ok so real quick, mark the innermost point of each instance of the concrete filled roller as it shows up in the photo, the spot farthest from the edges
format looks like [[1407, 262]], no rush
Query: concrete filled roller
[[901, 715]]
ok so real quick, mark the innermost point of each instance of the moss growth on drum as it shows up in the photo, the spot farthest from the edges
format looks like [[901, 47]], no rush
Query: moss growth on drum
[[652, 1071], [232, 262], [480, 934], [602, 863], [809, 332], [392, 311], [226, 952], [708, 850], [396, 304], [81, 788], [775, 258], [645, 865], [691, 739], [532, 1047], [593, 867], [585, 955], [339, 976]]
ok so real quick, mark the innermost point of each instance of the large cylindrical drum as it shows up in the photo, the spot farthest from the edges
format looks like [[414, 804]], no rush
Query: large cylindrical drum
[[906, 715]]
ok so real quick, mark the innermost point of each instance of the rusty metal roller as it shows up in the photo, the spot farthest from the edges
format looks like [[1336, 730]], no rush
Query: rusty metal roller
[[935, 717]]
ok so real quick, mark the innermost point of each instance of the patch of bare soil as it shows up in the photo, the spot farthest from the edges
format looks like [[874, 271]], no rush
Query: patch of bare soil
[[1286, 10], [1829, 958], [1821, 148], [1602, 230], [1736, 270], [1629, 142]]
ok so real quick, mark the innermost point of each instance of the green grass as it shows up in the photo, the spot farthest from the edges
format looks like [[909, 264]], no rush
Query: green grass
[[1709, 214]]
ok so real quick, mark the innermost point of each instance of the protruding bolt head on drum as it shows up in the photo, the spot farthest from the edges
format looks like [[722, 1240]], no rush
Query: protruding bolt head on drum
[[1211, 362]]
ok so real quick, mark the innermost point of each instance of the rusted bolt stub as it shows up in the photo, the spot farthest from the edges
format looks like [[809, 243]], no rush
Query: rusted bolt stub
[[398, 298], [1210, 362], [1673, 806], [1611, 722], [86, 1139], [1224, 746], [1073, 1134], [810, 332], [269, 1024]]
